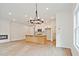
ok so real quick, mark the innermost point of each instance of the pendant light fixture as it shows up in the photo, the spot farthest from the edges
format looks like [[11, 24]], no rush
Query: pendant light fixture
[[36, 20]]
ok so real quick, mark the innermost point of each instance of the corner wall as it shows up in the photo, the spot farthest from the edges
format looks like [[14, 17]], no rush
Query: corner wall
[[64, 31], [14, 30], [4, 30]]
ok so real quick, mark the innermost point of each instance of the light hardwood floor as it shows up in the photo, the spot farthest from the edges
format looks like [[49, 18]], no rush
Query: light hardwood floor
[[23, 48]]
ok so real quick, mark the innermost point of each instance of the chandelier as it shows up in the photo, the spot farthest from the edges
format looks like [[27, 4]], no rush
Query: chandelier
[[36, 20]]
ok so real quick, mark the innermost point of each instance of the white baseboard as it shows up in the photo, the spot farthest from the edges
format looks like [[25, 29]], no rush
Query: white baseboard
[[4, 41], [7, 40]]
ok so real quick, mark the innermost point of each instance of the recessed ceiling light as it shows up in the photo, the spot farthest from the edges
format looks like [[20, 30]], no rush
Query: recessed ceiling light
[[47, 8], [10, 13]]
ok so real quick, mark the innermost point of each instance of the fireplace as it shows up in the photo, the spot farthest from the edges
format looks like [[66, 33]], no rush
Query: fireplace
[[2, 37]]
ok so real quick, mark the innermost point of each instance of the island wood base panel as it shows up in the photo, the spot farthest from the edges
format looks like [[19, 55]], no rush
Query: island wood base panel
[[36, 39]]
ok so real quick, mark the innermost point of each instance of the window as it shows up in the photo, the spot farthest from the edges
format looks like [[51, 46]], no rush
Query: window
[[76, 27]]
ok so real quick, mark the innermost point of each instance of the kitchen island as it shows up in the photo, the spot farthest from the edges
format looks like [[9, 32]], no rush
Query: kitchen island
[[41, 39]]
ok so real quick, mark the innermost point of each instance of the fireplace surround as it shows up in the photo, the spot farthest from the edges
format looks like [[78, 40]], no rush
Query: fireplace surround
[[2, 37]]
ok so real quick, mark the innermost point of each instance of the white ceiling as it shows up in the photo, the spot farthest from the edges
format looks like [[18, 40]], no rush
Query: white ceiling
[[19, 10]]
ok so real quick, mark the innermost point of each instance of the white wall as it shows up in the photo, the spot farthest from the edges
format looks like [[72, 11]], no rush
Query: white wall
[[64, 29], [4, 29], [14, 30], [29, 30], [18, 31]]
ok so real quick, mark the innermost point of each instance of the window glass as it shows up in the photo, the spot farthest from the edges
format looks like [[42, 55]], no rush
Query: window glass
[[76, 27], [77, 37], [78, 17]]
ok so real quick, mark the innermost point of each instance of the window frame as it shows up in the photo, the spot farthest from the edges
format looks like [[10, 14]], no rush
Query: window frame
[[76, 27]]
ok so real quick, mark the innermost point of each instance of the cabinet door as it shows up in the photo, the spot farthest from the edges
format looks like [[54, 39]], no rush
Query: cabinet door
[[48, 33], [42, 39]]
